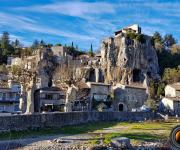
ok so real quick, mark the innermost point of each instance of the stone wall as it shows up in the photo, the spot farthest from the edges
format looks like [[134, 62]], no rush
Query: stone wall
[[22, 122], [129, 97]]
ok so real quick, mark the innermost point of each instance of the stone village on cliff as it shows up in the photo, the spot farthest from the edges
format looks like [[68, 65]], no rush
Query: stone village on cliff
[[52, 79]]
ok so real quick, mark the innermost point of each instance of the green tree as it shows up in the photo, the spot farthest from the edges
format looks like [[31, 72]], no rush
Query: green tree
[[35, 44], [169, 40], [153, 86], [160, 90], [140, 38], [50, 45], [58, 44], [171, 75], [5, 40], [91, 51], [157, 41], [157, 37], [151, 103], [42, 43]]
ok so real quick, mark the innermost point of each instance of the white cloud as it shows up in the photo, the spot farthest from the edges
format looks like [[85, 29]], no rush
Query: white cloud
[[77, 9], [22, 23]]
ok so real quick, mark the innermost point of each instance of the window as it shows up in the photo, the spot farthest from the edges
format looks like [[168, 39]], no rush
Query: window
[[16, 108], [55, 96], [62, 96], [1, 94], [49, 96], [42, 95], [1, 108]]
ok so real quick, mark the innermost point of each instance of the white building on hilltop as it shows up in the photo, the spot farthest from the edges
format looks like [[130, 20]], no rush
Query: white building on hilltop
[[133, 28]]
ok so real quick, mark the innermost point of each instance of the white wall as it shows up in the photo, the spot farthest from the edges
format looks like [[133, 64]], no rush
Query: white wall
[[170, 91]]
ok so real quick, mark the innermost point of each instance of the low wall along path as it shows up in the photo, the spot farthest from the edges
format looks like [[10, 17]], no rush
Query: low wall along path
[[23, 122]]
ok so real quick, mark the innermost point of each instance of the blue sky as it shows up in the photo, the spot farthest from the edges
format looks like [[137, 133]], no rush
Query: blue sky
[[86, 21]]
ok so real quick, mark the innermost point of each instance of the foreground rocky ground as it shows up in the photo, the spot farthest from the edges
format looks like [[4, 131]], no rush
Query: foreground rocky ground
[[143, 135]]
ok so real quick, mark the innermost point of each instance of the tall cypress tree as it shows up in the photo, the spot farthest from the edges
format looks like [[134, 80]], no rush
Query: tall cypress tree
[[91, 51]]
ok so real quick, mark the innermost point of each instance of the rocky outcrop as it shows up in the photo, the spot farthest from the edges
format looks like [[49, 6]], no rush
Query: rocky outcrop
[[90, 74], [46, 67], [127, 60]]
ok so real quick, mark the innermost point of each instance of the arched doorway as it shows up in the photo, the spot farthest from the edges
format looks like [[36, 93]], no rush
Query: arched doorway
[[121, 107]]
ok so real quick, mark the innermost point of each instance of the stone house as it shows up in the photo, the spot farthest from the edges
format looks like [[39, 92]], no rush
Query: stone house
[[171, 101], [30, 62], [171, 104], [61, 54], [99, 93], [9, 97], [16, 61], [172, 90], [127, 97], [49, 99]]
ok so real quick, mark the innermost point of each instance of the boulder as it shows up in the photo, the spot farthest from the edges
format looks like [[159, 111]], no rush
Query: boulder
[[121, 142]]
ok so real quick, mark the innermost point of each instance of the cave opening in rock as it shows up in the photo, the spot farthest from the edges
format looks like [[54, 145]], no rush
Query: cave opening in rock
[[136, 75]]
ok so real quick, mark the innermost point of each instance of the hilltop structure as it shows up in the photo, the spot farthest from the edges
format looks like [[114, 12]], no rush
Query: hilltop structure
[[129, 57]]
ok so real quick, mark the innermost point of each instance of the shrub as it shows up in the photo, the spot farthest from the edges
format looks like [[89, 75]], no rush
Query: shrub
[[140, 38], [131, 35]]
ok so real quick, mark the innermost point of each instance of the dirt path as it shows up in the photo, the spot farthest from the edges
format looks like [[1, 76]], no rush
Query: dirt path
[[48, 142]]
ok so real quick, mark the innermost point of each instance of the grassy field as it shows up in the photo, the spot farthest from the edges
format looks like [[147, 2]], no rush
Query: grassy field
[[137, 131]]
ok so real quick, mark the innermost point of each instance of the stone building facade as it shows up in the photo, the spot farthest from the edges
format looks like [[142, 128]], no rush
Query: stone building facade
[[99, 94], [171, 101], [172, 90], [127, 97]]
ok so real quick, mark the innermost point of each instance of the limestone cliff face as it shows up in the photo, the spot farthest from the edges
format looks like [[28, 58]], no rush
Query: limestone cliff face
[[128, 59], [90, 74], [45, 68]]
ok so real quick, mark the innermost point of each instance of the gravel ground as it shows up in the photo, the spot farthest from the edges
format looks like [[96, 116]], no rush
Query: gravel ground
[[58, 142]]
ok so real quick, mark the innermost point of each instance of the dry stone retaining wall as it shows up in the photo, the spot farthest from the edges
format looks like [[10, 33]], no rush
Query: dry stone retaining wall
[[23, 122]]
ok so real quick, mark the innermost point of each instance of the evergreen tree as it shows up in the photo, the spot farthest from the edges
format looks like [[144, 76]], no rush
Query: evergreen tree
[[169, 40], [58, 44], [35, 44], [157, 37], [42, 43], [5, 40], [91, 51]]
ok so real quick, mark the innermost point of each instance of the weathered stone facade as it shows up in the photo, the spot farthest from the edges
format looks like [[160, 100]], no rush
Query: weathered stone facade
[[127, 97]]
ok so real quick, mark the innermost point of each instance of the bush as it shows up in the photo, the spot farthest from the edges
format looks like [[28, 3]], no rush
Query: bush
[[131, 35], [140, 38]]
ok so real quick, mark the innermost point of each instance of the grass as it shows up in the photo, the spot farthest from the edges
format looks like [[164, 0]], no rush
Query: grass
[[137, 131], [141, 132], [70, 130]]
